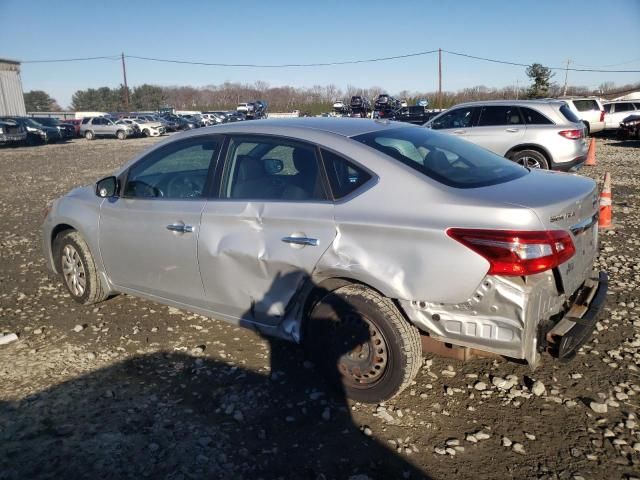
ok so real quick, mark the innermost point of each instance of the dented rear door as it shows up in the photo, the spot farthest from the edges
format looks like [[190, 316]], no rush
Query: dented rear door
[[262, 238]]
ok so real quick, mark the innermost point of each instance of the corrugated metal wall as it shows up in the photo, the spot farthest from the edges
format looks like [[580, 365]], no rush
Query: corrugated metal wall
[[11, 97]]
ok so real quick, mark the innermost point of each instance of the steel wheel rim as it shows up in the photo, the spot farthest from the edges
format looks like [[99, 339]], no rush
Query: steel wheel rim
[[530, 162], [73, 271], [365, 364]]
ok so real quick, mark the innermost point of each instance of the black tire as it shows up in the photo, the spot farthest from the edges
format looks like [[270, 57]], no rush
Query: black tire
[[145, 132], [89, 135], [71, 246], [531, 159], [363, 344], [587, 128], [121, 134]]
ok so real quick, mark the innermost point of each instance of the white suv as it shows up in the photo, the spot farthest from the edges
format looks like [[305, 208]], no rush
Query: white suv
[[617, 111], [589, 110]]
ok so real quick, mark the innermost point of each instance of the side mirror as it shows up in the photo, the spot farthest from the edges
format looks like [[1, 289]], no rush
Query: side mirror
[[107, 187], [273, 166]]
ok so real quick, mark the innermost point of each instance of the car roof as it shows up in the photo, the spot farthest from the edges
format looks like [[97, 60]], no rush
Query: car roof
[[552, 101], [346, 127]]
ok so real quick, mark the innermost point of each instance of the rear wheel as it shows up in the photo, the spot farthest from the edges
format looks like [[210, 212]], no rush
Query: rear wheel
[[363, 344], [121, 134], [89, 135], [78, 269], [531, 159], [587, 128], [145, 132]]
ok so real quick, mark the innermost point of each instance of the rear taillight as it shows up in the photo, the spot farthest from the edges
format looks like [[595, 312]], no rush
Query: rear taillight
[[517, 253], [602, 115], [572, 134]]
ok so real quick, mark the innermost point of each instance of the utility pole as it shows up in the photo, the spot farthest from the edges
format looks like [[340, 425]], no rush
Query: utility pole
[[517, 88], [440, 78], [126, 87], [566, 75]]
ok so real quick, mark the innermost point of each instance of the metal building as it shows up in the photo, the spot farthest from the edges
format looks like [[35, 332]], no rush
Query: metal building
[[11, 96]]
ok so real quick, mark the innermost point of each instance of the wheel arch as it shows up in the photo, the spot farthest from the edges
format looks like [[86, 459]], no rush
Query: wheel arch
[[530, 146]]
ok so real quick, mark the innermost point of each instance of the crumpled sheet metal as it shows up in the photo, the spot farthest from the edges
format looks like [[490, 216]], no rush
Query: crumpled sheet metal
[[501, 316]]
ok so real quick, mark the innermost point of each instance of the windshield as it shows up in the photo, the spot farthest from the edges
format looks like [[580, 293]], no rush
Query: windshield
[[448, 160]]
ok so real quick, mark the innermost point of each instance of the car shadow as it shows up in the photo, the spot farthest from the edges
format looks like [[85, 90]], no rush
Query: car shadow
[[170, 415]]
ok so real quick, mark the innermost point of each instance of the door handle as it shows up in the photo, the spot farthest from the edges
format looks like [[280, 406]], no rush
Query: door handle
[[180, 228], [459, 132], [313, 242], [512, 130]]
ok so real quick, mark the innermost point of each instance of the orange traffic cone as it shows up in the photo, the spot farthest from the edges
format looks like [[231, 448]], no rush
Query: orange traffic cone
[[591, 155], [605, 203]]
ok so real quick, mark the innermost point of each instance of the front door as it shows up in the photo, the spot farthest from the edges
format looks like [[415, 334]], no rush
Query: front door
[[149, 235], [260, 241]]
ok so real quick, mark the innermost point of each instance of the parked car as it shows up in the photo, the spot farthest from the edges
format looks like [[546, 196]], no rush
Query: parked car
[[136, 131], [12, 133], [93, 127], [630, 127], [182, 123], [341, 108], [616, 112], [36, 133], [147, 125], [66, 130], [589, 110], [293, 240], [235, 116], [76, 122], [415, 114], [534, 133], [360, 106]]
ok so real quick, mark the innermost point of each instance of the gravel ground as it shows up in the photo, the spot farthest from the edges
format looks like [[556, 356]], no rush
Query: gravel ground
[[130, 388]]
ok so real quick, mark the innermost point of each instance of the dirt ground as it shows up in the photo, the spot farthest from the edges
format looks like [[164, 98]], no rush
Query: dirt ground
[[130, 388]]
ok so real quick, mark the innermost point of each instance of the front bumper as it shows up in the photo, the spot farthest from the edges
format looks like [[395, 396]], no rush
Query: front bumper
[[575, 328]]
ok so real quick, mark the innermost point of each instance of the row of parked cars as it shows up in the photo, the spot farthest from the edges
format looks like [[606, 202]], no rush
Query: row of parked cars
[[16, 130]]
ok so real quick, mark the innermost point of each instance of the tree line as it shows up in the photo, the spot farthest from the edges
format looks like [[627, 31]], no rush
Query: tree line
[[309, 100]]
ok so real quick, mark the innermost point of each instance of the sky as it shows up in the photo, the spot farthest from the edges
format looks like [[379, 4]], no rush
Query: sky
[[600, 34]]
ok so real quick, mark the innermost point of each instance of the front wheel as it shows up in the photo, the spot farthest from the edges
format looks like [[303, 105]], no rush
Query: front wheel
[[78, 269], [531, 159], [363, 344]]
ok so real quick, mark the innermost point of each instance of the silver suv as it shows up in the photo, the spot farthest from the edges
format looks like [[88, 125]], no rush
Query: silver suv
[[92, 127], [534, 133]]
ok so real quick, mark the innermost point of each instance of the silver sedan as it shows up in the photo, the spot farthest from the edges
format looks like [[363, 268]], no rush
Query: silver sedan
[[366, 241]]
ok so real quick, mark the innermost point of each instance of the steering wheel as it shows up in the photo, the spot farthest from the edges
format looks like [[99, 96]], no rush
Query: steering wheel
[[184, 186], [142, 189]]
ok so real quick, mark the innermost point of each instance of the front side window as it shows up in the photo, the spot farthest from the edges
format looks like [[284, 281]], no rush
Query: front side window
[[623, 107], [176, 171], [446, 159], [499, 115], [458, 118], [260, 168], [344, 176]]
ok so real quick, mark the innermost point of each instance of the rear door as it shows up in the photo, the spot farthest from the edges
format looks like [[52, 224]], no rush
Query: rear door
[[261, 239], [499, 128]]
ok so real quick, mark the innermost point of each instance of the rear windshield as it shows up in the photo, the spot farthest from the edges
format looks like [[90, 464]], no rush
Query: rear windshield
[[448, 160], [568, 114], [586, 105]]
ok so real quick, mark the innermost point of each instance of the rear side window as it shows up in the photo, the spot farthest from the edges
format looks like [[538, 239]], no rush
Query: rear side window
[[637, 105], [586, 105], [444, 158], [344, 176], [499, 115], [607, 107], [568, 114], [533, 117], [624, 107]]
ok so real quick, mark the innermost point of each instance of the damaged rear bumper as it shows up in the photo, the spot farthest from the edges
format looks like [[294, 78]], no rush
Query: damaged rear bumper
[[515, 317], [575, 328]]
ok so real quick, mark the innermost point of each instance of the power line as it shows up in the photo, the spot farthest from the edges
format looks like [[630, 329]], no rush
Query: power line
[[83, 59], [283, 65], [504, 62], [610, 65]]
